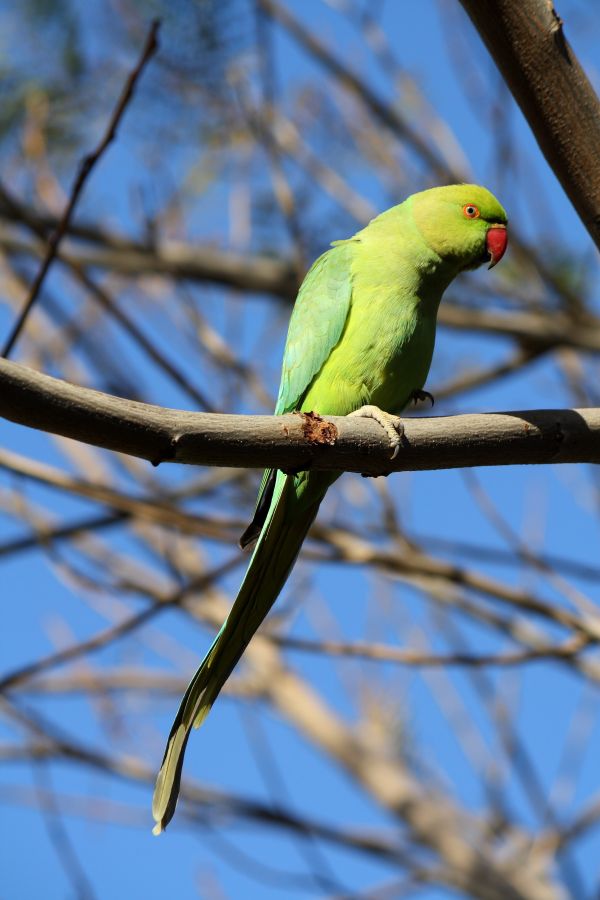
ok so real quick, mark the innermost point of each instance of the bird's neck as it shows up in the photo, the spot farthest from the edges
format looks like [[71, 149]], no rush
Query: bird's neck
[[398, 253]]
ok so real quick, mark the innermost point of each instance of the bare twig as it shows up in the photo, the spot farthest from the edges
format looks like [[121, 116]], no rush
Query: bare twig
[[407, 657], [162, 511], [199, 810], [23, 673], [256, 274], [176, 259], [58, 834], [87, 164], [111, 307], [388, 116]]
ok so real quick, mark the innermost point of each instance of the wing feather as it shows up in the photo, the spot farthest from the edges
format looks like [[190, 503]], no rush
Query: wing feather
[[317, 323], [316, 326]]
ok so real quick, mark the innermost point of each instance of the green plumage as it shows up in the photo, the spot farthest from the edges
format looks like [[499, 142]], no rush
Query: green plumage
[[362, 332]]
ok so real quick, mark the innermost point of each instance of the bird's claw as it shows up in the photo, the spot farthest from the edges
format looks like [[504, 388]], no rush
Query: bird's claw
[[419, 395], [392, 425]]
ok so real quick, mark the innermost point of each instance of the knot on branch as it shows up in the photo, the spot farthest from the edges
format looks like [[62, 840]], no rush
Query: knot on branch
[[317, 430]]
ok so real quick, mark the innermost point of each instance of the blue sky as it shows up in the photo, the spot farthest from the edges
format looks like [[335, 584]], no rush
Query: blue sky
[[247, 748]]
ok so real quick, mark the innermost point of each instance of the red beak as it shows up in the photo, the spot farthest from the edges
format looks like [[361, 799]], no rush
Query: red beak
[[496, 242]]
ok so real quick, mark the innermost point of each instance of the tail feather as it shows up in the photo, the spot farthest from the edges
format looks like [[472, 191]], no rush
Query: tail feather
[[290, 515], [263, 504]]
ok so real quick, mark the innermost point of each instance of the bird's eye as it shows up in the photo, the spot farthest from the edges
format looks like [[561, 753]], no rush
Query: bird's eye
[[470, 211]]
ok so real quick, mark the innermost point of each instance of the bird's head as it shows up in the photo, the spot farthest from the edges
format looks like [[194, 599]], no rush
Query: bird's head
[[463, 223]]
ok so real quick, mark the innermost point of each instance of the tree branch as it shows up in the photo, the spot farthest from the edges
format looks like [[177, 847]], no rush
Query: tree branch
[[294, 441], [386, 114], [176, 259], [526, 41]]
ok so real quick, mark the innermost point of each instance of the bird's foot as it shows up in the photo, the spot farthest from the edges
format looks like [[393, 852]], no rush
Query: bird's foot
[[420, 396], [392, 425]]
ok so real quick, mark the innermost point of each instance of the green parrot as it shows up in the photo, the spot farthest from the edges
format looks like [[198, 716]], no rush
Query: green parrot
[[360, 342]]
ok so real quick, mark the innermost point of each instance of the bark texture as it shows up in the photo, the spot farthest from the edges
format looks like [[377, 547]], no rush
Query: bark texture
[[294, 441], [527, 42]]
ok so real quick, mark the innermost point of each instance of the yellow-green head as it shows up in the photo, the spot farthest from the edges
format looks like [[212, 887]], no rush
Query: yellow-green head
[[462, 223]]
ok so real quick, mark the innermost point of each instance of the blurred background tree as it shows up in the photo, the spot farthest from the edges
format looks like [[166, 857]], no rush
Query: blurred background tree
[[419, 715]]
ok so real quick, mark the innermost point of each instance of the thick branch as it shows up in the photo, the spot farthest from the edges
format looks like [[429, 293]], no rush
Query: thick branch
[[294, 441], [527, 43]]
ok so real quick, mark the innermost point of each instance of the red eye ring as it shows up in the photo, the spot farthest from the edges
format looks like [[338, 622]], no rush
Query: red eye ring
[[471, 211]]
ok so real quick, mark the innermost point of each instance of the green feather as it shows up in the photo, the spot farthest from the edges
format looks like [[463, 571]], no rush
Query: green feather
[[362, 332], [293, 508], [316, 324]]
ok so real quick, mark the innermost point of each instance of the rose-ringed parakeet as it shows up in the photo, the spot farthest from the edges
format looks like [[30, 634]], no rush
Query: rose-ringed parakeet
[[360, 341]]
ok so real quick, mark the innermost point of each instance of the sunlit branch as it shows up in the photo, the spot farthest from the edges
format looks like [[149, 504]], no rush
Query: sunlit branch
[[528, 44], [294, 441]]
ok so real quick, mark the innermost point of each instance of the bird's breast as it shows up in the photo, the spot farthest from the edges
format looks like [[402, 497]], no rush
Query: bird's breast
[[383, 355]]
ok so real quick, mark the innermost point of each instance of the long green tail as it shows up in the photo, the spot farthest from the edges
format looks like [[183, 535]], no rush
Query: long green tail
[[294, 505]]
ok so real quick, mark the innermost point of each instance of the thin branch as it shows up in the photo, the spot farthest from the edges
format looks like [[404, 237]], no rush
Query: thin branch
[[201, 804], [165, 512], [93, 681], [175, 259], [115, 632], [419, 567], [103, 299], [533, 329], [161, 510], [87, 164], [474, 379], [484, 553], [277, 278], [294, 441], [406, 657], [386, 114], [58, 834], [131, 680], [47, 536]]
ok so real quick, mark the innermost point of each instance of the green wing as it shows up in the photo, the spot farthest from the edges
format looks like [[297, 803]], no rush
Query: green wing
[[316, 326]]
